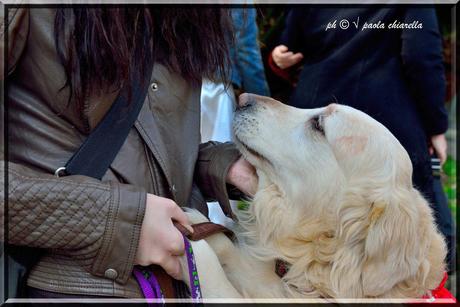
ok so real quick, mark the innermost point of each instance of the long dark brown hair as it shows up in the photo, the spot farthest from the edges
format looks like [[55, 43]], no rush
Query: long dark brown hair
[[99, 46]]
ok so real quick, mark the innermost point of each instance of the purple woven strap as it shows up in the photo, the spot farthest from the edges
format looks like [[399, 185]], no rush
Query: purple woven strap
[[195, 288], [151, 287], [146, 287], [155, 285]]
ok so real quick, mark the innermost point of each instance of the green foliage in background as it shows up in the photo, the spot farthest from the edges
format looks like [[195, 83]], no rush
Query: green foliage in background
[[450, 184], [270, 21]]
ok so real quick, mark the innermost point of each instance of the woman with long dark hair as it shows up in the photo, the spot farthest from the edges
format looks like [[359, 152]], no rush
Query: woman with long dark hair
[[64, 69]]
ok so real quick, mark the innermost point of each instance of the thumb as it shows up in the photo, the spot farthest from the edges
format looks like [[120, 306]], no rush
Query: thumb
[[282, 48], [179, 216]]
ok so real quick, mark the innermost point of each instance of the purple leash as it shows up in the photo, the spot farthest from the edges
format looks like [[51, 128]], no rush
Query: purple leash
[[192, 271], [144, 283], [151, 287]]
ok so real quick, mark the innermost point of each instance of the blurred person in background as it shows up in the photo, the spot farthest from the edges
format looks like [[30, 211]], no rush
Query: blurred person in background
[[386, 62], [247, 72]]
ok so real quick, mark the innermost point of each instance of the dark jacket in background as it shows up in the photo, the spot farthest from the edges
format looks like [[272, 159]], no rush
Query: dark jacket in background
[[394, 75]]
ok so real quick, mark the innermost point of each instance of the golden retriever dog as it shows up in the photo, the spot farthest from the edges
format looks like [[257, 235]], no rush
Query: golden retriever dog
[[335, 201]]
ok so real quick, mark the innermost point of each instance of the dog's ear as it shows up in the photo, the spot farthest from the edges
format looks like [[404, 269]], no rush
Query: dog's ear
[[379, 245]]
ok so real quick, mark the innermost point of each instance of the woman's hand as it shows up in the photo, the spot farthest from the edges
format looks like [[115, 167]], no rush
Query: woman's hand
[[160, 242], [439, 146], [243, 176], [284, 58]]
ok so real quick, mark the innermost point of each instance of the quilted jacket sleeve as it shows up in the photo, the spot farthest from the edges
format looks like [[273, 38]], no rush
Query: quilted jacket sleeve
[[96, 223]]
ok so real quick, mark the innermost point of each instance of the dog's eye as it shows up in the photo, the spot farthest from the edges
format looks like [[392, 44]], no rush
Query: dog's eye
[[316, 123]]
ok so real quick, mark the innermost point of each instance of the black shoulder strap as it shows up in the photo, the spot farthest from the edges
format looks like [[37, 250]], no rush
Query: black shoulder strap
[[98, 151]]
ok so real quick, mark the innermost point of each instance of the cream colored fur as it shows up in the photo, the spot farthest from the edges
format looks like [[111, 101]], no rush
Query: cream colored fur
[[339, 206]]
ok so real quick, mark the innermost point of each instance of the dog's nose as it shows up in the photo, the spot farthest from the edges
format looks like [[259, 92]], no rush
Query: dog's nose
[[245, 100]]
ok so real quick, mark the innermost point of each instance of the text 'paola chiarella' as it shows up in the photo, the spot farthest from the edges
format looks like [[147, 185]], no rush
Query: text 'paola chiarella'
[[344, 24]]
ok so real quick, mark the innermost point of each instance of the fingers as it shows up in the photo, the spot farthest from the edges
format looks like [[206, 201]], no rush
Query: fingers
[[442, 156], [172, 266], [243, 176], [179, 216], [291, 58], [284, 58], [176, 242], [439, 145], [440, 153], [279, 55], [286, 55], [176, 246], [159, 238], [281, 48], [297, 57]]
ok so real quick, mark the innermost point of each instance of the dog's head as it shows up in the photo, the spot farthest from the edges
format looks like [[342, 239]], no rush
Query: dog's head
[[300, 149], [340, 164]]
